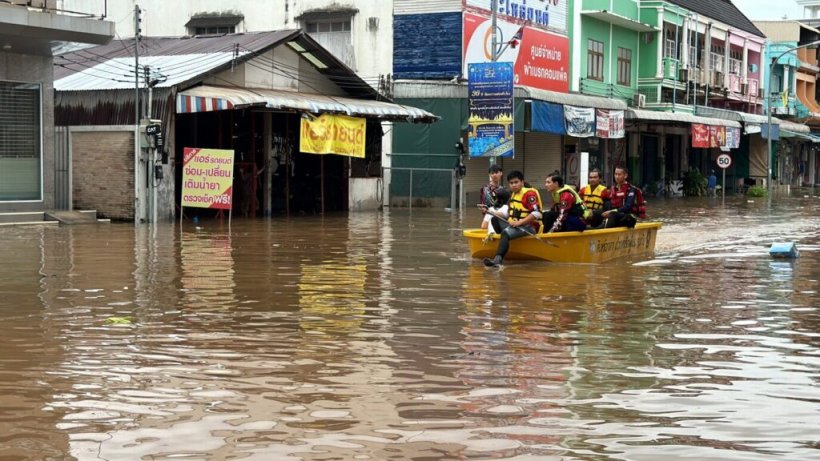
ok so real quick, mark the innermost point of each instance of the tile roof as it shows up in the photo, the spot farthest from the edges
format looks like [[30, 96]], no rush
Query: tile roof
[[721, 10]]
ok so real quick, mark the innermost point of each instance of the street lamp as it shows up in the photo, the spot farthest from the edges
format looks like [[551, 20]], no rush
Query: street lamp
[[769, 112]]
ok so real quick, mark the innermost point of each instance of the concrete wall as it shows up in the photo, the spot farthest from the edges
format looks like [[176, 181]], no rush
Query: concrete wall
[[103, 172], [35, 69]]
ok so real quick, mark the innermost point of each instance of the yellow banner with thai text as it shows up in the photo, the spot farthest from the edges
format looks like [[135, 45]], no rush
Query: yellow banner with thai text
[[333, 134], [207, 178]]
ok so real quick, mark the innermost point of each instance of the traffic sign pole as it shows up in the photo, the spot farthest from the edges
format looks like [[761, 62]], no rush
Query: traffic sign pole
[[724, 161]]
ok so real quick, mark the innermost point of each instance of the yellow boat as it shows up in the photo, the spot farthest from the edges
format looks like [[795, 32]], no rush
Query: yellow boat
[[590, 246]]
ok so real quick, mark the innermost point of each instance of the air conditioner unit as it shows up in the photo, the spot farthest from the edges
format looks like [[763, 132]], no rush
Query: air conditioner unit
[[744, 88], [718, 80], [638, 100], [683, 75]]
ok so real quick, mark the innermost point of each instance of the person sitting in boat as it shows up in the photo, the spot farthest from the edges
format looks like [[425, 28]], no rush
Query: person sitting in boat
[[623, 202], [525, 210], [568, 210], [496, 173], [596, 199], [499, 209]]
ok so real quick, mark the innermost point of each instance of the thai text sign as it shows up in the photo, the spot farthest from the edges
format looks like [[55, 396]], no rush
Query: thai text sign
[[609, 123], [708, 136], [541, 58], [333, 134], [543, 14], [207, 178], [490, 105]]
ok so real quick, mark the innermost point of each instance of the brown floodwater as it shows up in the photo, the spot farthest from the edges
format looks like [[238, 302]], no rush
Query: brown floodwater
[[374, 336]]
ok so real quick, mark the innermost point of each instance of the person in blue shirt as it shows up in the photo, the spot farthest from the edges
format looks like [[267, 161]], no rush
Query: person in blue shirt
[[711, 184]]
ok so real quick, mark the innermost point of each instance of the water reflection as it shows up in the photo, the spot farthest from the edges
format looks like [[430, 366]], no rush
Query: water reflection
[[374, 336]]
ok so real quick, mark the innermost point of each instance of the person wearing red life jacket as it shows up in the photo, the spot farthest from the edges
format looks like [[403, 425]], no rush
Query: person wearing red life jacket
[[525, 213], [623, 202], [568, 210]]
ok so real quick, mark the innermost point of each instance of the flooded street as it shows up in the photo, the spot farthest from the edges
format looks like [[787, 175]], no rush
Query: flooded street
[[374, 336]]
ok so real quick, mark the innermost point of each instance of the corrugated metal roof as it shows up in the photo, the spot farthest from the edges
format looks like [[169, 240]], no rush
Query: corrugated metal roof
[[185, 61], [640, 114], [210, 98], [118, 73], [727, 114], [71, 63], [575, 99], [791, 126]]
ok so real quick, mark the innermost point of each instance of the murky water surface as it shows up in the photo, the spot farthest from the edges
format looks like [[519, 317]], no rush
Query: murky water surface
[[375, 337]]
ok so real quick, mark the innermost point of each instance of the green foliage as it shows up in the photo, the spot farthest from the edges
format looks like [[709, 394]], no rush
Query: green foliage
[[757, 191], [694, 183]]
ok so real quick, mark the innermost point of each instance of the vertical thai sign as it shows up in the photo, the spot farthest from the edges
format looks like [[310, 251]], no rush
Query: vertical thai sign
[[207, 178], [490, 100]]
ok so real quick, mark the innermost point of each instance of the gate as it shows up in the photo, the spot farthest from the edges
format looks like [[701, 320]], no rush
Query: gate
[[420, 187]]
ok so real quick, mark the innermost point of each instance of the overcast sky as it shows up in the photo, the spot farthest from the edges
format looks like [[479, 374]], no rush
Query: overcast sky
[[769, 9]]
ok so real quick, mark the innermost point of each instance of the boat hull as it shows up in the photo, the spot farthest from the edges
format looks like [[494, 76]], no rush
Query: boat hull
[[591, 246]]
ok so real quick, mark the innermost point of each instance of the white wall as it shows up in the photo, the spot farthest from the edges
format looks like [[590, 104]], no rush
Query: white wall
[[372, 39]]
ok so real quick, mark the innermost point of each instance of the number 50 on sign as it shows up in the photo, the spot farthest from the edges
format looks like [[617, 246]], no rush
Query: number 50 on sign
[[724, 161]]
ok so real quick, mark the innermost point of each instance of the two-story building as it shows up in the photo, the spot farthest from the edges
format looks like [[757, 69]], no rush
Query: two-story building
[[33, 178]]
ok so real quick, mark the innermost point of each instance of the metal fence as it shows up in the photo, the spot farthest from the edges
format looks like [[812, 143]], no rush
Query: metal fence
[[419, 187]]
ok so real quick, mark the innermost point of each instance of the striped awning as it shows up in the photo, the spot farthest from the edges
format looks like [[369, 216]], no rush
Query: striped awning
[[208, 98]]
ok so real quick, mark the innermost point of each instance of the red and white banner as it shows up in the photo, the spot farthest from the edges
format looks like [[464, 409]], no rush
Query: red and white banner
[[540, 59], [700, 135], [609, 123]]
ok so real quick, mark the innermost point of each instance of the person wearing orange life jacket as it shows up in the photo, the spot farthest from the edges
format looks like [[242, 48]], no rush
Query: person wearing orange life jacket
[[525, 212], [623, 200], [567, 213], [596, 199]]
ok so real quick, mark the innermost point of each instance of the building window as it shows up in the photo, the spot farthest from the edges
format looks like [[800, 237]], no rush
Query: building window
[[624, 66], [328, 26], [20, 141], [214, 30], [595, 60], [214, 24], [334, 35]]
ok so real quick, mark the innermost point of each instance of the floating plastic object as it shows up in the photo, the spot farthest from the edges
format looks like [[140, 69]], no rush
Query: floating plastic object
[[784, 250]]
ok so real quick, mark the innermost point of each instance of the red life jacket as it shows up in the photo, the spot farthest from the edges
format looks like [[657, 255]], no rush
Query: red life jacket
[[639, 209], [618, 197]]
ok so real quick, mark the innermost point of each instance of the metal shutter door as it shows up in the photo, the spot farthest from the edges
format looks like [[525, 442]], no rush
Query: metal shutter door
[[543, 156]]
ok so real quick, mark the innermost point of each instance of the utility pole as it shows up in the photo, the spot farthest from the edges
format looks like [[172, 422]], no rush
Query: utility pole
[[494, 42], [138, 215]]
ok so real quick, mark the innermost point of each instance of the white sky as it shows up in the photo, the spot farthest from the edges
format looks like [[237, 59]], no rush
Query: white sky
[[772, 10]]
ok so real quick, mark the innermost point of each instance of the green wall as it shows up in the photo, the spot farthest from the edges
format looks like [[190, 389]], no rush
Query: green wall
[[612, 37]]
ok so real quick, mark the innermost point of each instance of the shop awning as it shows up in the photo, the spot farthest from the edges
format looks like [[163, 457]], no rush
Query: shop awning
[[791, 126], [801, 136], [654, 115], [573, 99], [208, 98]]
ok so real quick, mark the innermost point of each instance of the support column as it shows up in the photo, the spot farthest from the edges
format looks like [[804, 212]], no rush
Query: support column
[[659, 62], [267, 141]]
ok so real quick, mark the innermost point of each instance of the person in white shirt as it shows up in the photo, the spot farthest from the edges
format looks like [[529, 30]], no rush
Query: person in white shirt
[[500, 197]]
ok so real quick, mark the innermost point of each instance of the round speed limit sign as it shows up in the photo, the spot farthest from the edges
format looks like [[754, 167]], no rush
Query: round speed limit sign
[[724, 161]]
